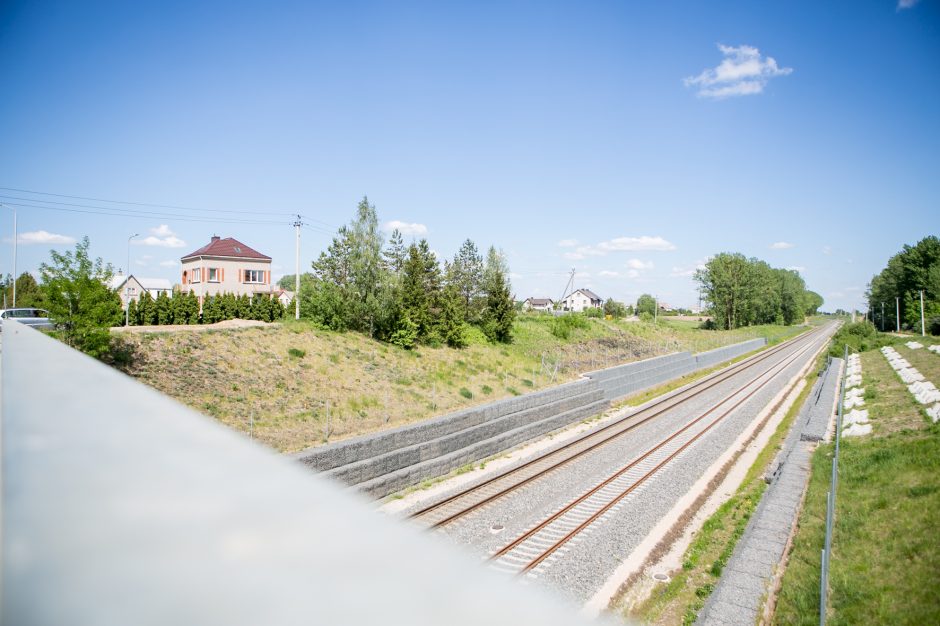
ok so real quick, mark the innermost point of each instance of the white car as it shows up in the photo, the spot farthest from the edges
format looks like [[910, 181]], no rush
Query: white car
[[37, 318]]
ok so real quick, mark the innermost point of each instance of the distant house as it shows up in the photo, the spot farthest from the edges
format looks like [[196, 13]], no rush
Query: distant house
[[225, 266], [132, 287], [285, 297], [538, 304], [581, 299]]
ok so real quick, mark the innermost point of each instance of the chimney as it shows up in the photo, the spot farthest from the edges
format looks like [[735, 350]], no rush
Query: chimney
[[215, 238]]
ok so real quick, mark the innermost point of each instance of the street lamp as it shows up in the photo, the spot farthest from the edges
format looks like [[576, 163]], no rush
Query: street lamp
[[14, 251], [127, 285]]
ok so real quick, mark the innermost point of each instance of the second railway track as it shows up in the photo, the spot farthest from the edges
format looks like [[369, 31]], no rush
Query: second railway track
[[468, 500]]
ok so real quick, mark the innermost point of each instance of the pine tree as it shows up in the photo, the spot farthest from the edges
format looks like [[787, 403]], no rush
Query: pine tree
[[132, 313], [415, 304], [162, 306], [146, 313], [466, 273], [499, 312], [211, 310], [243, 307], [450, 322], [396, 253]]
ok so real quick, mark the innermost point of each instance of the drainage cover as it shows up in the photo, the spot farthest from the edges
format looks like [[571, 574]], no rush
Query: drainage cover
[[661, 577], [495, 528]]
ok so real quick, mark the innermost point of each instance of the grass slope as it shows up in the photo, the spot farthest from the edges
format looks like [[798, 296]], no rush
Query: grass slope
[[296, 386]]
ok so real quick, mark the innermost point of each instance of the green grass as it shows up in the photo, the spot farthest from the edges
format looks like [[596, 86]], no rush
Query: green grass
[[281, 387], [680, 600], [886, 555]]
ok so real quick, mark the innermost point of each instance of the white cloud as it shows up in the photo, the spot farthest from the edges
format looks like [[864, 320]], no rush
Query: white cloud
[[573, 256], [636, 243], [742, 72], [43, 238], [162, 231], [165, 242], [781, 245], [688, 270], [161, 237], [637, 264], [567, 243], [797, 268], [170, 263], [633, 273], [906, 4], [406, 228], [608, 273], [826, 250]]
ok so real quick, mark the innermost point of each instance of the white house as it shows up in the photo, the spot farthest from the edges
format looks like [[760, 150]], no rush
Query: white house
[[538, 304], [225, 266], [581, 299], [133, 287]]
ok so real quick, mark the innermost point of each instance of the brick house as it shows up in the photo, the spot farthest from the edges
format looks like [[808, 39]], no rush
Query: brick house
[[225, 266]]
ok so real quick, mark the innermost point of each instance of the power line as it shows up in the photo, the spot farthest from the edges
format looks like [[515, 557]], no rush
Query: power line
[[146, 204], [146, 214]]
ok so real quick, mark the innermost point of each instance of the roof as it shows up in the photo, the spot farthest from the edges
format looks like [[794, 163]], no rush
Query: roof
[[590, 294], [147, 283], [227, 247], [540, 301]]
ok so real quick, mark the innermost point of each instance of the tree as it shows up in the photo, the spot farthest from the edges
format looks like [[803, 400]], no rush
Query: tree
[[414, 296], [211, 309], [76, 294], [366, 268], [499, 312], [466, 274], [646, 304], [614, 308], [146, 313], [28, 293], [396, 253], [914, 269], [333, 265], [450, 323], [132, 313], [164, 309], [725, 282]]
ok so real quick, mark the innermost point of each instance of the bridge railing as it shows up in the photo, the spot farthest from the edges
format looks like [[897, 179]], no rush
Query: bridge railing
[[122, 506]]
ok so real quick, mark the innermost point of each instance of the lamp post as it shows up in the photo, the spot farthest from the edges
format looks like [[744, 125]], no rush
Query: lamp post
[[14, 251], [897, 312], [127, 285], [882, 317]]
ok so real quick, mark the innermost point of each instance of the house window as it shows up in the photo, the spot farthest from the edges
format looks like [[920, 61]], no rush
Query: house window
[[132, 291], [253, 276], [197, 275], [213, 274]]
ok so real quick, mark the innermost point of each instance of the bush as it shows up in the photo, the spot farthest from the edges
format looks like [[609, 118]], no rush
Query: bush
[[297, 353], [933, 325], [593, 313], [859, 337], [646, 316], [563, 325], [466, 393]]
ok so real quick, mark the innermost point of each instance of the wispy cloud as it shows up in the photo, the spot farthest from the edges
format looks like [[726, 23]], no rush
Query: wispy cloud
[[742, 72], [620, 244], [781, 245], [43, 238], [688, 270], [405, 228], [796, 268], [567, 243], [161, 237], [608, 273], [906, 4], [637, 264], [827, 250], [169, 263]]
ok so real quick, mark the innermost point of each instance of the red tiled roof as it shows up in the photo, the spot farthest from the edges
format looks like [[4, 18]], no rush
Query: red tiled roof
[[227, 247]]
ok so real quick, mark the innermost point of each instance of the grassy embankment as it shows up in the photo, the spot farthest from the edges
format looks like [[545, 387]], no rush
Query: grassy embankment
[[283, 378], [680, 600], [886, 555]]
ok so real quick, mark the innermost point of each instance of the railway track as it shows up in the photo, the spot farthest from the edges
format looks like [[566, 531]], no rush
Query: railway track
[[527, 552], [466, 501]]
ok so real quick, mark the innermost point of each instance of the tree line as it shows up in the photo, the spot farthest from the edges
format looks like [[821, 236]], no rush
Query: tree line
[[741, 292], [181, 308], [402, 293], [912, 270]]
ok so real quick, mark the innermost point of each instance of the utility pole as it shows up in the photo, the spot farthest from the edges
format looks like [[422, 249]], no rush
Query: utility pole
[[922, 333], [897, 313], [14, 252], [567, 286], [297, 225], [127, 282]]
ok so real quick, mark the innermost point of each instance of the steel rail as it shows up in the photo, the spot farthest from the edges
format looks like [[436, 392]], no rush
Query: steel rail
[[605, 435], [770, 374]]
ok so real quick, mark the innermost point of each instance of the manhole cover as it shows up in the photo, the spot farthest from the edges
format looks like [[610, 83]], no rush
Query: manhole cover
[[496, 528], [661, 577]]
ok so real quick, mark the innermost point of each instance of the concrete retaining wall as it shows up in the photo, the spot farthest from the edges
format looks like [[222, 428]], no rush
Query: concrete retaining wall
[[382, 463]]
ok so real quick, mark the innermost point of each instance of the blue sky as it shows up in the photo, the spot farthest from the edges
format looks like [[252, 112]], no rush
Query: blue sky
[[627, 140]]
